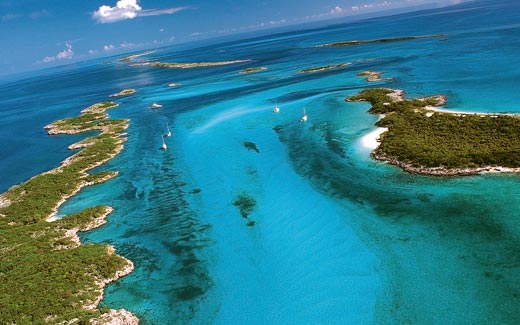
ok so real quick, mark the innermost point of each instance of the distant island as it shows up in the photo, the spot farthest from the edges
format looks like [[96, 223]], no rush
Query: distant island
[[124, 92], [381, 40], [424, 140], [132, 57], [174, 65], [324, 68], [44, 270], [373, 76], [252, 70]]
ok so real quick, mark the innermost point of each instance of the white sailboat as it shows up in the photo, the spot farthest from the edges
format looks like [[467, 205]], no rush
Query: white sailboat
[[164, 146], [168, 134], [276, 109], [155, 105], [304, 116]]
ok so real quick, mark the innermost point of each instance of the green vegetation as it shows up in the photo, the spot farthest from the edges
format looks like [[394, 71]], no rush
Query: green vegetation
[[124, 92], [245, 203], [324, 68], [91, 118], [44, 275], [174, 65], [252, 70], [432, 142], [373, 76], [251, 146], [381, 40]]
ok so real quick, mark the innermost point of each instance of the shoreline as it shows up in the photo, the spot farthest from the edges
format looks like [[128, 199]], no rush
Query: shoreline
[[442, 171], [116, 316], [124, 92], [464, 113], [373, 139], [95, 151], [193, 65], [373, 76]]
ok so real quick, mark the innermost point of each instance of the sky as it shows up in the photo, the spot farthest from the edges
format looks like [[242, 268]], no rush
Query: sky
[[36, 34]]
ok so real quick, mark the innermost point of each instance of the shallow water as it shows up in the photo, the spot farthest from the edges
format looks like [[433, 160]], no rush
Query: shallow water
[[334, 237]]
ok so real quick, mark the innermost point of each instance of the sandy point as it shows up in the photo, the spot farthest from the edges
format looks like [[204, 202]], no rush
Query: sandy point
[[372, 140]]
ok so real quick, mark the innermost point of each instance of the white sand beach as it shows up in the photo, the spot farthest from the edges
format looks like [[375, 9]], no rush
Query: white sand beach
[[371, 140]]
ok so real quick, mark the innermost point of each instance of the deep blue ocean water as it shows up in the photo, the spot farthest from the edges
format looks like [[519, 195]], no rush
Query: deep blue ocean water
[[338, 238]]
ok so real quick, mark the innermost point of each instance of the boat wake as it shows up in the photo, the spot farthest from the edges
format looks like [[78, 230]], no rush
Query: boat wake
[[226, 116]]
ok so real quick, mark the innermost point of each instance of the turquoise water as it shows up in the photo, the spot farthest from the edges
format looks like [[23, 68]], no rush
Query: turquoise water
[[334, 237]]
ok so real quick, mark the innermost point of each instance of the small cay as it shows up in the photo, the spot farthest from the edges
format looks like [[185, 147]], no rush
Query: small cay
[[380, 40], [252, 70], [176, 65], [373, 76], [124, 92], [325, 68]]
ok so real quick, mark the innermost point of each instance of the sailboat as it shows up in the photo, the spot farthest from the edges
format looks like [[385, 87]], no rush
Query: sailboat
[[164, 146], [304, 116], [168, 134], [155, 105], [276, 109]]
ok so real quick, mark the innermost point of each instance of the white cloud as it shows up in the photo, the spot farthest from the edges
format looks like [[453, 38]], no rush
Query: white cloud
[[65, 54], [7, 17], [126, 45], [122, 46], [336, 10], [128, 9], [157, 12], [93, 52], [32, 15], [38, 14], [108, 48], [124, 9]]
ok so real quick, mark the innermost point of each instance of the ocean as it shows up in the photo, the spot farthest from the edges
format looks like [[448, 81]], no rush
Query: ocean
[[333, 236]]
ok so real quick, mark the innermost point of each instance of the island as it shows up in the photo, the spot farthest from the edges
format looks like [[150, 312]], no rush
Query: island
[[174, 65], [373, 76], [252, 70], [124, 92], [324, 68], [381, 40], [423, 139], [46, 274], [132, 57]]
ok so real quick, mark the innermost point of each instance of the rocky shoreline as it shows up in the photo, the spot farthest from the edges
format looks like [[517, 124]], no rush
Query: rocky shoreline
[[76, 168], [120, 316], [442, 171], [430, 108]]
